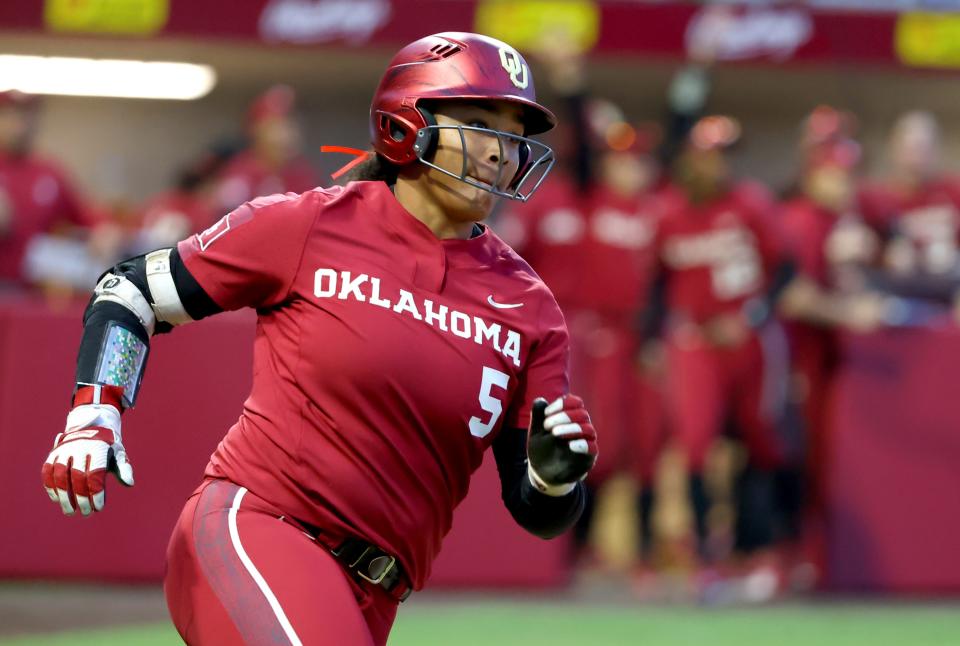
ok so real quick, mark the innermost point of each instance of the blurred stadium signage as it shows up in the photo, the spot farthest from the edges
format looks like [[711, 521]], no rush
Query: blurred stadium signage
[[732, 35], [522, 23], [123, 17], [929, 40], [822, 32], [317, 21]]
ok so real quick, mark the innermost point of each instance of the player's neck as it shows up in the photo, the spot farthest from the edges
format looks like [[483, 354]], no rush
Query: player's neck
[[430, 213]]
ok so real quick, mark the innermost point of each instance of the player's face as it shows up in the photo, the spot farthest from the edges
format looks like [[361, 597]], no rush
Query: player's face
[[830, 186], [485, 156], [628, 174], [702, 173], [914, 147], [277, 138], [15, 129]]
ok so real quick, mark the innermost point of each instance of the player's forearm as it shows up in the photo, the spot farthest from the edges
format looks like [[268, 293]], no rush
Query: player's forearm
[[805, 301], [541, 515], [134, 300]]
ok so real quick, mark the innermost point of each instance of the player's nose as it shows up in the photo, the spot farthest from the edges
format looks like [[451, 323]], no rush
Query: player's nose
[[499, 154]]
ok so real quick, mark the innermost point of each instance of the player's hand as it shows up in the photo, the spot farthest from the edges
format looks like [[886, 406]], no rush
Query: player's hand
[[561, 445], [726, 331], [865, 312], [74, 473]]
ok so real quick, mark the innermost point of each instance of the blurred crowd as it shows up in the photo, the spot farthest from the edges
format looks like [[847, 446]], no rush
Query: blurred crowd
[[56, 241], [706, 312], [705, 309]]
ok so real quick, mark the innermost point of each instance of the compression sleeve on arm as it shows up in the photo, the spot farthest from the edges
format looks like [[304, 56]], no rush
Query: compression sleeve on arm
[[541, 515], [134, 300]]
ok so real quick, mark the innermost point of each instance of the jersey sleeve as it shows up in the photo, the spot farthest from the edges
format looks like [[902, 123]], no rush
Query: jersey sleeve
[[250, 257], [546, 374], [805, 244]]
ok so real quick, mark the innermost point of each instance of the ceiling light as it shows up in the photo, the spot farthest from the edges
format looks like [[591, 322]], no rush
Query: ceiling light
[[105, 77]]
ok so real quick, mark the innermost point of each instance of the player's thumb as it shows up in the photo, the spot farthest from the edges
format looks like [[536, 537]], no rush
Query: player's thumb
[[120, 467], [537, 415]]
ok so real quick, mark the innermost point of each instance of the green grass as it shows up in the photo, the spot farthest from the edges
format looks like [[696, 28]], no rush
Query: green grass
[[562, 624]]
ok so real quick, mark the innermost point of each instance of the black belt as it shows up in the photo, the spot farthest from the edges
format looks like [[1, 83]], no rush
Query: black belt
[[373, 565]]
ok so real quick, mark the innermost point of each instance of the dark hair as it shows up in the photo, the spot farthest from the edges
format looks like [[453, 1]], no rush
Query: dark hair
[[374, 168]]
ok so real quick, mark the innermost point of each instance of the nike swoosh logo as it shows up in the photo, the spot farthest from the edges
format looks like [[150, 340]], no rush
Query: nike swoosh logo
[[502, 306]]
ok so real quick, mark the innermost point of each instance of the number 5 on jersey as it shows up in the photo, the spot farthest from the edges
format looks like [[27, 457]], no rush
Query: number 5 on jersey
[[489, 403]]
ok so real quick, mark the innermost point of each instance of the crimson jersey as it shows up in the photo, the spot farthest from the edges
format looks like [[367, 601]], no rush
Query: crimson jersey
[[385, 362], [808, 227], [928, 217], [578, 241], [34, 197], [816, 241], [245, 177], [718, 255]]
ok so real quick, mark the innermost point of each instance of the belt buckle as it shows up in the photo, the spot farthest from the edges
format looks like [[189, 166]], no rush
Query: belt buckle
[[377, 580]]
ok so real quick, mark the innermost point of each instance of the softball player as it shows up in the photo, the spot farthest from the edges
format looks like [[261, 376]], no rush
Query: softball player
[[397, 339]]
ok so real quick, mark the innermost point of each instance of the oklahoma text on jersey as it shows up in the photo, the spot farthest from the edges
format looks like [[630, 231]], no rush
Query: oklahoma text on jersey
[[328, 283]]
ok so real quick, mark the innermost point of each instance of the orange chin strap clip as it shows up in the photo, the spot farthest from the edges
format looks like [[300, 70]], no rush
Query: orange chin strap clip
[[362, 156]]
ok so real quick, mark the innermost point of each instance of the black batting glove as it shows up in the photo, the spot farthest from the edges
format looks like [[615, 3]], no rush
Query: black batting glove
[[561, 444]]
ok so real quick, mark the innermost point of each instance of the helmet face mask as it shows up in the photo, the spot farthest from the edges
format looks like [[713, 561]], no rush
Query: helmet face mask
[[536, 160], [466, 67]]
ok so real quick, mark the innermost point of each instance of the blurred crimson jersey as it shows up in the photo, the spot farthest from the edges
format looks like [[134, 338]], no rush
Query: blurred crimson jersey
[[928, 217], [808, 228], [719, 254], [245, 177], [386, 360], [820, 244], [592, 248], [34, 197]]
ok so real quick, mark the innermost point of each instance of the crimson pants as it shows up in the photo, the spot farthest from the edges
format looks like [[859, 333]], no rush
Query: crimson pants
[[625, 407], [238, 573], [705, 385]]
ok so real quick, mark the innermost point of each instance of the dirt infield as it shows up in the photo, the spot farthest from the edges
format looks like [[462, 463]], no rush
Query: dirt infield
[[27, 607]]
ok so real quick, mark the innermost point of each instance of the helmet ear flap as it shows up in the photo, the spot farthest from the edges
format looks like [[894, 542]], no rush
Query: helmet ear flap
[[426, 142], [524, 163], [396, 134]]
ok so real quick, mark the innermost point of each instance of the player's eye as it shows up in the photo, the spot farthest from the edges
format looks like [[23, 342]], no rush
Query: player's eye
[[478, 123]]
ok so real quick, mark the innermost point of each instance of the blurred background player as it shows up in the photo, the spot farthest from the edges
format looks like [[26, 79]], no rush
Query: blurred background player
[[35, 195], [918, 206], [272, 162], [834, 248], [588, 235], [922, 204], [721, 267], [189, 207]]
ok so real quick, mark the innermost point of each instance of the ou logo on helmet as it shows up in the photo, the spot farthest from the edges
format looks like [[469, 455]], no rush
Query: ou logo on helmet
[[515, 67]]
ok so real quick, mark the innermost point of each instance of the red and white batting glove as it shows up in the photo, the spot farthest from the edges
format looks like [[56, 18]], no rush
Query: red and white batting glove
[[561, 445], [75, 472]]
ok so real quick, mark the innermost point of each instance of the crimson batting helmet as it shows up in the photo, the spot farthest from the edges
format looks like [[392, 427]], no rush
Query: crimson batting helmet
[[464, 66]]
